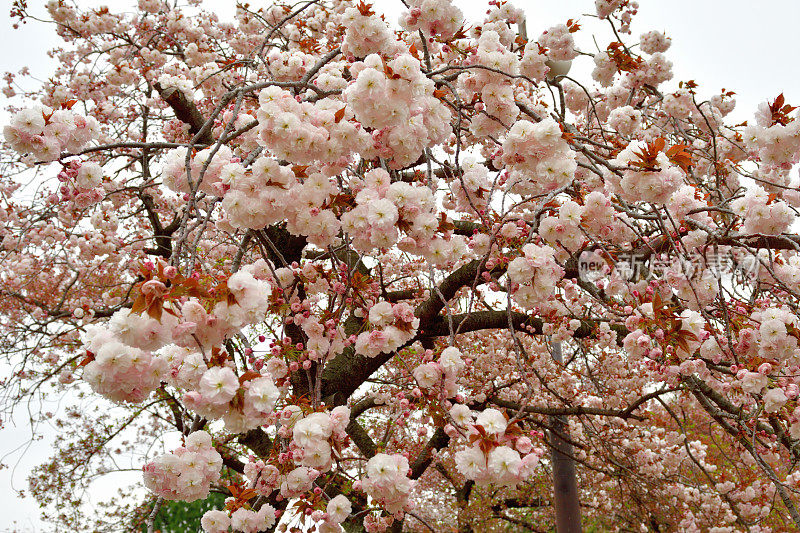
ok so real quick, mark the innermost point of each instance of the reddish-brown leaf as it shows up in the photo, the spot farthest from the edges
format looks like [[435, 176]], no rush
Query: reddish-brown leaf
[[365, 9], [247, 376], [444, 224], [155, 310], [657, 304], [339, 115], [567, 136], [139, 304], [647, 157], [780, 111], [573, 25], [390, 73], [460, 34], [624, 61], [680, 156]]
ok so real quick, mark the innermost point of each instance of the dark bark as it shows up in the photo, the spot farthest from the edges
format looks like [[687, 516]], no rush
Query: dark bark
[[258, 441], [438, 440], [186, 112]]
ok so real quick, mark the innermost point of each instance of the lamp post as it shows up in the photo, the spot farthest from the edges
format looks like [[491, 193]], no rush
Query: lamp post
[[565, 483]]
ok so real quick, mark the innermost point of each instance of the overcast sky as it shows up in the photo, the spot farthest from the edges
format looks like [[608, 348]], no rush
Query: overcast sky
[[740, 45]]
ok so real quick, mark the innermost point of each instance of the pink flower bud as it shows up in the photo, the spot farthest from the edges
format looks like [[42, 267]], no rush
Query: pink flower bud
[[524, 445]]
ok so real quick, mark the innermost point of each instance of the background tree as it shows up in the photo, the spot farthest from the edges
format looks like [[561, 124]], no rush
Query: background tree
[[334, 254]]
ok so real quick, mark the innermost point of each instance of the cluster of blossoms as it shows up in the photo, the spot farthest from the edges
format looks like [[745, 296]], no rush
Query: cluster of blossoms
[[45, 133], [654, 42], [209, 172], [396, 101], [298, 481], [309, 215], [434, 17], [383, 207], [605, 8], [118, 371], [186, 473], [775, 343], [445, 371], [324, 340], [123, 366], [500, 16], [312, 437], [393, 325], [177, 82], [495, 92], [85, 177], [788, 272], [263, 480], [559, 43], [241, 520], [604, 69], [762, 213], [287, 66], [776, 143], [679, 104], [655, 71], [655, 184], [247, 304], [269, 192], [387, 482], [600, 219], [627, 120], [259, 196], [498, 455], [304, 132], [537, 158], [471, 190], [647, 337], [534, 62], [534, 276], [564, 230], [242, 404], [366, 34], [683, 201]]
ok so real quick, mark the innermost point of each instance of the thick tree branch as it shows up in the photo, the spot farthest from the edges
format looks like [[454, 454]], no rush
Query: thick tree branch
[[258, 441], [186, 111], [361, 438], [438, 440]]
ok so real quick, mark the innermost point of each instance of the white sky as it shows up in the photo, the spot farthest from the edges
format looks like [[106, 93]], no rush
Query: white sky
[[740, 45]]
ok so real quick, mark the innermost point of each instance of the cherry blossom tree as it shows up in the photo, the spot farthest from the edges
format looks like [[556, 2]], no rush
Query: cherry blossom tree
[[400, 275]]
